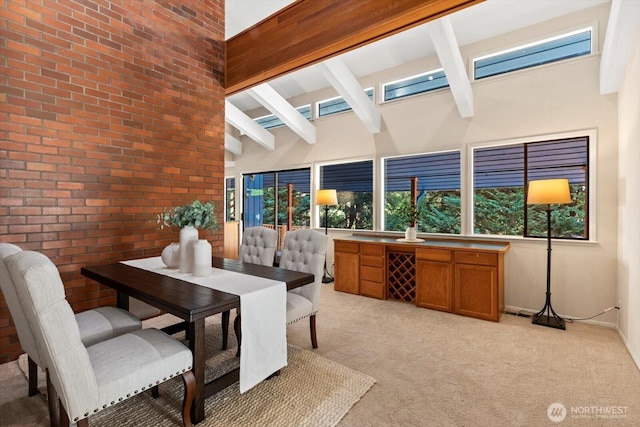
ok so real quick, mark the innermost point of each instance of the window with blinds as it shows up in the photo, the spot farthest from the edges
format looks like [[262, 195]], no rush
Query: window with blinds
[[353, 183], [272, 121], [437, 182], [337, 104], [570, 45], [414, 85], [501, 175]]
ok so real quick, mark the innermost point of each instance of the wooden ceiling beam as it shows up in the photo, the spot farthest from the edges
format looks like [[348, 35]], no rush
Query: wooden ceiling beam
[[310, 31]]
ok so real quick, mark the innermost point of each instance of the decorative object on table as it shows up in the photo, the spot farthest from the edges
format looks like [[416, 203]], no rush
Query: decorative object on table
[[190, 217], [326, 198], [410, 234], [171, 255], [201, 258], [188, 237], [548, 192], [410, 213]]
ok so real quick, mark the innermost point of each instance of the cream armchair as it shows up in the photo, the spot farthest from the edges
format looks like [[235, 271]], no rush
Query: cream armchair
[[89, 379], [304, 250], [94, 325]]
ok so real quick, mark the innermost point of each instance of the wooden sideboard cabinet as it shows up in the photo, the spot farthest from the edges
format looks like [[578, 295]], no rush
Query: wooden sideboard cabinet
[[462, 277], [434, 279], [372, 275], [346, 269]]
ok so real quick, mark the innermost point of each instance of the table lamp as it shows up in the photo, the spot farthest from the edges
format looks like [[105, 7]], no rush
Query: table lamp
[[548, 192]]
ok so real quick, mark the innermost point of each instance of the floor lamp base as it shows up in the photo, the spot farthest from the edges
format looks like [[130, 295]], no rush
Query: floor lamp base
[[552, 321], [327, 279]]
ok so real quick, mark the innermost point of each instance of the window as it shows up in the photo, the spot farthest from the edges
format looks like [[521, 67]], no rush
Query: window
[[230, 199], [271, 121], [554, 49], [421, 83], [354, 184], [278, 200], [501, 175], [337, 104], [436, 179]]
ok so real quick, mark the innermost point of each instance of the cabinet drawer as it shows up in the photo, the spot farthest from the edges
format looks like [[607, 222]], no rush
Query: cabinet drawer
[[434, 254], [372, 274], [372, 250], [372, 261], [476, 258], [348, 247], [372, 289]]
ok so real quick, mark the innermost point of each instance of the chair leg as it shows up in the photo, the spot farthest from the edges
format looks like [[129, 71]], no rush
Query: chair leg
[[33, 377], [312, 325], [225, 328], [189, 381], [64, 417], [53, 403], [155, 392]]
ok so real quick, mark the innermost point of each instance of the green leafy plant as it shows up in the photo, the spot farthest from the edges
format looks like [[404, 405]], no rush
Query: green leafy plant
[[195, 214], [409, 213]]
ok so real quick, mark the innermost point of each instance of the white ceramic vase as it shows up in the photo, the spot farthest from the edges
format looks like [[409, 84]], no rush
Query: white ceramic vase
[[188, 237], [410, 233], [202, 258], [171, 255]]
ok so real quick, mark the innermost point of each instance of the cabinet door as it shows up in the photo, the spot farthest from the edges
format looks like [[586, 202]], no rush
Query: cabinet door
[[434, 285], [475, 291], [347, 272]]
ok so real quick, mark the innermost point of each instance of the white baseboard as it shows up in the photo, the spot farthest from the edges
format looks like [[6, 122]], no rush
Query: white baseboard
[[512, 309], [635, 357]]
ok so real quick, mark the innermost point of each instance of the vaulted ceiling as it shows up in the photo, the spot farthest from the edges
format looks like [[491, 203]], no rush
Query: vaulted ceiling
[[442, 37]]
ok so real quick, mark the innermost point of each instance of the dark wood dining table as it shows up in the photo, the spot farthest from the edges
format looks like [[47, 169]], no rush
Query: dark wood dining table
[[191, 303]]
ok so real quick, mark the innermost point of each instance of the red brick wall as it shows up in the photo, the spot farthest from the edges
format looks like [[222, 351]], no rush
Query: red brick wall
[[109, 111]]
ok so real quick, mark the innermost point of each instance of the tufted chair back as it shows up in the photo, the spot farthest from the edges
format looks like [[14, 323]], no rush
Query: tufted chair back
[[27, 341], [304, 250], [258, 246], [53, 325]]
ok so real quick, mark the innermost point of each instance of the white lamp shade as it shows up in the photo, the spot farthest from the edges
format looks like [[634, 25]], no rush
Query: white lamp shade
[[326, 197], [549, 191]]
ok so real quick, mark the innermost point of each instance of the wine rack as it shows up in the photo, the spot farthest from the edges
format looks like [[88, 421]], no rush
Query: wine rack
[[401, 279]]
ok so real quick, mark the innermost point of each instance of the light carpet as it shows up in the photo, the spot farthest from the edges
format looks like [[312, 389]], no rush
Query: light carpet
[[310, 391]]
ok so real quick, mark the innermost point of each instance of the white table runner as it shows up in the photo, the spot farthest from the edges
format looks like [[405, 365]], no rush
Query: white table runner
[[264, 316]]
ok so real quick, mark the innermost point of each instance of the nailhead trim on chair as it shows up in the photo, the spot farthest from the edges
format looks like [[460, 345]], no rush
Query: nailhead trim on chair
[[303, 317], [120, 399]]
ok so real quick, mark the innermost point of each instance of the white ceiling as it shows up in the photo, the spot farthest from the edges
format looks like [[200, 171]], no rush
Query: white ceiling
[[482, 21]]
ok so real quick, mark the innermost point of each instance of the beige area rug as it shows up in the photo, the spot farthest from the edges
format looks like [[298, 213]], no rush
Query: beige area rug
[[310, 391]]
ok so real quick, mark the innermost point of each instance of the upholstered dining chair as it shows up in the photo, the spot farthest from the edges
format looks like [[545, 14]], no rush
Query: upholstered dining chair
[[94, 325], [304, 250], [258, 246], [90, 379]]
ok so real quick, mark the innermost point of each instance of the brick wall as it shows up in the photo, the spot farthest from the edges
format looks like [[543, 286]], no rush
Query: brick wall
[[109, 111]]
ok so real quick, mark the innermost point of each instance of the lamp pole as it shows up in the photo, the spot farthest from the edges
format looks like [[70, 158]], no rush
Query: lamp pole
[[326, 277], [551, 319]]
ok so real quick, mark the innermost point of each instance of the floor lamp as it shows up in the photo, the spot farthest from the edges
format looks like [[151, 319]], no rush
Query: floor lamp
[[548, 192], [326, 198]]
